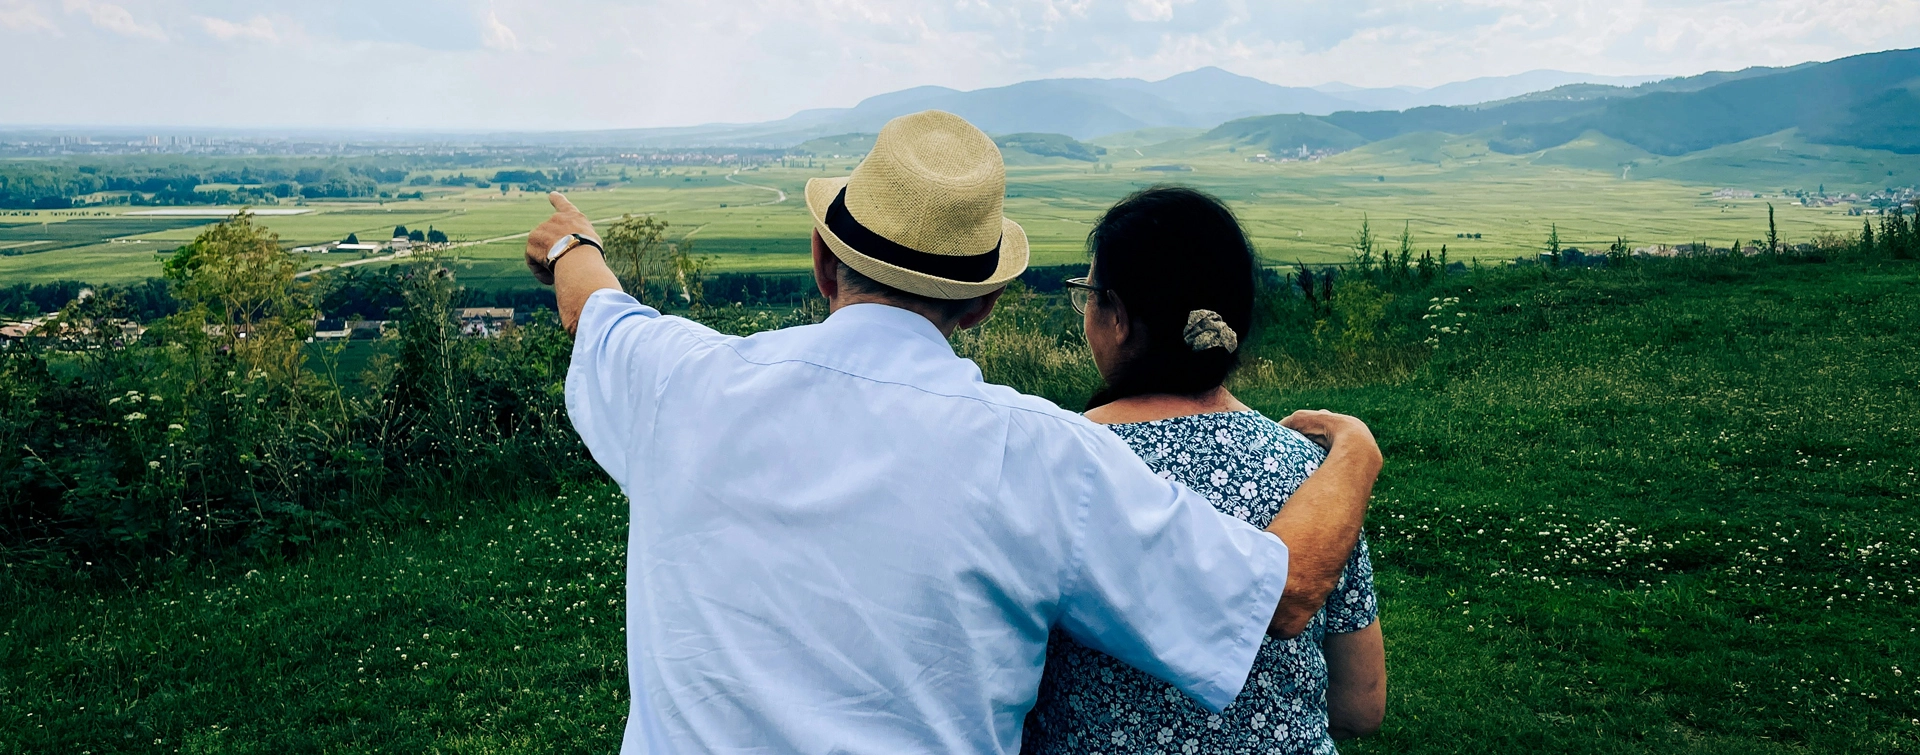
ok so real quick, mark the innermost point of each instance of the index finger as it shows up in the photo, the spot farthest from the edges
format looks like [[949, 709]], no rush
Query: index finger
[[560, 203]]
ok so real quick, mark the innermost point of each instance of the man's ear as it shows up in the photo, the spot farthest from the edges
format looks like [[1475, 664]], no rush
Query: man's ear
[[826, 268], [982, 309]]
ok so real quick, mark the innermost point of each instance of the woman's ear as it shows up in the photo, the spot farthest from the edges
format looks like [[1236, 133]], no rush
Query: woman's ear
[[1115, 311]]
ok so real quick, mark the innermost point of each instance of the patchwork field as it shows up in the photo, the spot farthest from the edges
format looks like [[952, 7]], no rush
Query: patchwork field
[[1435, 188]]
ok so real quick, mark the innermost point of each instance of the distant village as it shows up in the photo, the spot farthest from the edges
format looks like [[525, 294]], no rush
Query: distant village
[[1294, 156]]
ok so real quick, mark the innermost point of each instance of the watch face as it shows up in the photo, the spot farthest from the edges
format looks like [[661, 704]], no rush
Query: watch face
[[560, 247]]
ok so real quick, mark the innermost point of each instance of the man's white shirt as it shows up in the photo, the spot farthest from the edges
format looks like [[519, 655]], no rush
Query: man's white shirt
[[844, 541]]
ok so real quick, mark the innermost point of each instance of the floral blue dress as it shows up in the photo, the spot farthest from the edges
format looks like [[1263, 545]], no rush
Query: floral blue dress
[[1091, 704]]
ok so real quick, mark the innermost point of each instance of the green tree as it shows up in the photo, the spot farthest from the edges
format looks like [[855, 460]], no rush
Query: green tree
[[1866, 237], [436, 237], [1403, 260], [236, 289], [1363, 246], [400, 232], [352, 238], [637, 250], [1773, 233], [1553, 244]]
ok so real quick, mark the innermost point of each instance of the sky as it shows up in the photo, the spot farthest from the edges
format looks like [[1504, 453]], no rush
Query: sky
[[466, 65]]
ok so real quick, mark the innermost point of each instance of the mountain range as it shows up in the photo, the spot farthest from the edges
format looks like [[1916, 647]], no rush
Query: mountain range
[[1865, 102], [1086, 108], [1869, 101]]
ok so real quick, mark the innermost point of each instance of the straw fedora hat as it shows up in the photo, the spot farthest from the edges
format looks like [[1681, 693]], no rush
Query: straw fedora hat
[[922, 212]]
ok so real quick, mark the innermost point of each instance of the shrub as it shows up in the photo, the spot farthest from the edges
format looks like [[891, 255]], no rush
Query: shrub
[[210, 433]]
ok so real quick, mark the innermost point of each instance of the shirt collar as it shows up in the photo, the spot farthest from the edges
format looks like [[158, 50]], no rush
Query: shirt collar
[[870, 315]]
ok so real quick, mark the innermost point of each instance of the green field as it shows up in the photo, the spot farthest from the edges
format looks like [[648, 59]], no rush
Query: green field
[[1662, 509], [1437, 186]]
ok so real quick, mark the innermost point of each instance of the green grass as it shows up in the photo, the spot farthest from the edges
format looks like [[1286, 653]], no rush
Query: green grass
[[496, 630], [1632, 512], [1439, 186]]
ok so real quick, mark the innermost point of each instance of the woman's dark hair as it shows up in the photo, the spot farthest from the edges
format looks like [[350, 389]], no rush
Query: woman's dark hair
[[1166, 251]]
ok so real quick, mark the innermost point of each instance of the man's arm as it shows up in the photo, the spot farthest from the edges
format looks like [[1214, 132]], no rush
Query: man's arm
[[1356, 682], [1321, 521], [578, 273]]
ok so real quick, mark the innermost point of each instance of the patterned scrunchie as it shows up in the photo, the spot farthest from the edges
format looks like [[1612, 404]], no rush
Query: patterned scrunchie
[[1205, 330]]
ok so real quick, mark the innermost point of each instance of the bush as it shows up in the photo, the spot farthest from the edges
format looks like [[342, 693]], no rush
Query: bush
[[210, 433]]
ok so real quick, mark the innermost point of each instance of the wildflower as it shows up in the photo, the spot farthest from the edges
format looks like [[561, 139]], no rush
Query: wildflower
[[153, 465], [134, 417], [175, 427]]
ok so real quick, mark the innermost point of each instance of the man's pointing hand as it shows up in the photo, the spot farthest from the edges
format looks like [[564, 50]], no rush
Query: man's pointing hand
[[566, 220]]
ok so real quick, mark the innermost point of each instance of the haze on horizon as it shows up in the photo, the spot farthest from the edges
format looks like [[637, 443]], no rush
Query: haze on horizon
[[461, 65]]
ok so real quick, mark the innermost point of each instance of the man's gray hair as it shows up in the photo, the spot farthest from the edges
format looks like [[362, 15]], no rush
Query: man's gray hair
[[853, 282]]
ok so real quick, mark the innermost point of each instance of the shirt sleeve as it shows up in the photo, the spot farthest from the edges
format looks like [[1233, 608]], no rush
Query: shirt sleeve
[[1166, 583], [620, 347], [1353, 605]]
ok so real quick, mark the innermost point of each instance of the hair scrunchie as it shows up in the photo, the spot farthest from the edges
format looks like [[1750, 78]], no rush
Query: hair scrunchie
[[1205, 330]]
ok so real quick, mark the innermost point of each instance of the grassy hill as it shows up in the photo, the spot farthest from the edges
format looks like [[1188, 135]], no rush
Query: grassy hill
[[1145, 137], [1593, 151], [1861, 101], [1660, 510], [1282, 133], [842, 144], [1028, 148]]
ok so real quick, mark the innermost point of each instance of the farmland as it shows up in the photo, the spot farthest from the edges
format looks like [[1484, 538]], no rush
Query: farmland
[[1440, 189]]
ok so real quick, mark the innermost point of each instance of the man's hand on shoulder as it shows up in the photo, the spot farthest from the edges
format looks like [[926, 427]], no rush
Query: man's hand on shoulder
[[566, 220], [1327, 428], [1321, 521]]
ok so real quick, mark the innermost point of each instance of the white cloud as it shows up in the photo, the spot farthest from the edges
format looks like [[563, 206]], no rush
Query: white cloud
[[497, 35], [115, 19], [1150, 10], [679, 62], [22, 16], [257, 28]]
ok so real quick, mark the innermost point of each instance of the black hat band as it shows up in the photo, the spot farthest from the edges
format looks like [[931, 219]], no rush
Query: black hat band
[[975, 268]]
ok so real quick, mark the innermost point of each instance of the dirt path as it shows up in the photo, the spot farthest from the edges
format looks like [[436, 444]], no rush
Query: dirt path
[[777, 200]]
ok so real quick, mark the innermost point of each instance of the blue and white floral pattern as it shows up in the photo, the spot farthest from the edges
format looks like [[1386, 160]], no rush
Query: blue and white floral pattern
[[1091, 704]]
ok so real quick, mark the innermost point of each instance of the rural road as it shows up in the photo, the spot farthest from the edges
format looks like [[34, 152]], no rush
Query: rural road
[[777, 200]]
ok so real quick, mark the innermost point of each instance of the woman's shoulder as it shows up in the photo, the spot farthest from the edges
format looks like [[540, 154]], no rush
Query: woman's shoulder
[[1247, 429]]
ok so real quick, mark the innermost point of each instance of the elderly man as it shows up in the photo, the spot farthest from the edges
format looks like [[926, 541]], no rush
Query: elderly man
[[844, 541]]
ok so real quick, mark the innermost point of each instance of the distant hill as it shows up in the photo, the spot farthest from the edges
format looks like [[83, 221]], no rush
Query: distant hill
[[1086, 108], [1473, 91], [1050, 145], [1022, 148], [1280, 133], [1867, 101], [839, 144], [1864, 102]]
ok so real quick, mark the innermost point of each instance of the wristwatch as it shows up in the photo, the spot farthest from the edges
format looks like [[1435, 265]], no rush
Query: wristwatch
[[566, 244]]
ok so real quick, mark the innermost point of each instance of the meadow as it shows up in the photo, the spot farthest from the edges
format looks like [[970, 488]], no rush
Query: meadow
[[1435, 188], [1665, 508]]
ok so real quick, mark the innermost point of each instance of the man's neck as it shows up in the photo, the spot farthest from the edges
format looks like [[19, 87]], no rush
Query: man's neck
[[945, 326]]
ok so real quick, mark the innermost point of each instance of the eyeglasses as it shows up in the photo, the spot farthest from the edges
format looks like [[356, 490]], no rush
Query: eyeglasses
[[1079, 291]]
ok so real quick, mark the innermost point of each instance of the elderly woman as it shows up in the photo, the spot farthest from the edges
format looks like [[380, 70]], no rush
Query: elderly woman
[[1167, 302]]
